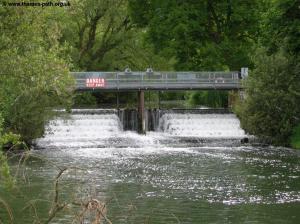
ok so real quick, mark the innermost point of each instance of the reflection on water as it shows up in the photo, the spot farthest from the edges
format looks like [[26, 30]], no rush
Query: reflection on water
[[157, 179]]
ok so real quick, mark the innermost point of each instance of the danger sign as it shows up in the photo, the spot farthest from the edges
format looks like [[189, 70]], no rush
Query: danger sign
[[95, 82]]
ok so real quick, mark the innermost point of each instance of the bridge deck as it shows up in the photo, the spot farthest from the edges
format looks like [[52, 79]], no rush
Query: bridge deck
[[122, 81]]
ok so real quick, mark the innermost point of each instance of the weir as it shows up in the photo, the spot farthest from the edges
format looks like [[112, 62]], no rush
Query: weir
[[157, 81], [201, 125], [129, 117], [102, 128], [196, 158]]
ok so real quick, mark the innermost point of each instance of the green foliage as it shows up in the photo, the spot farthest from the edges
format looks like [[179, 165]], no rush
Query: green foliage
[[178, 95], [281, 27], [272, 105], [1, 124], [214, 98], [295, 138], [6, 179], [10, 138], [85, 99], [37, 46], [103, 38], [34, 70], [202, 35]]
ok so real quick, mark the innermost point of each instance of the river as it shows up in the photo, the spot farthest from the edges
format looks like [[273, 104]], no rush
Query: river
[[193, 169]]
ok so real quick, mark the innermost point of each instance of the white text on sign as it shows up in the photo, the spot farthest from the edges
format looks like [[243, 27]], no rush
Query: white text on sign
[[95, 82]]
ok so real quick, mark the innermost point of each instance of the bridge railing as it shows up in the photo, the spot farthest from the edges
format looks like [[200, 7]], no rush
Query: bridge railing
[[136, 80]]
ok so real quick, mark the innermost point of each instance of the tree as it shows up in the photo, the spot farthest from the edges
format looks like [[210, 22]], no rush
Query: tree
[[99, 27], [103, 37], [34, 73], [271, 108], [281, 27], [203, 35], [214, 98]]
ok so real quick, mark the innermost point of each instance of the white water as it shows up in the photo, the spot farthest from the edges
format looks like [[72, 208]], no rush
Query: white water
[[80, 130], [202, 125], [91, 131], [168, 168], [105, 130]]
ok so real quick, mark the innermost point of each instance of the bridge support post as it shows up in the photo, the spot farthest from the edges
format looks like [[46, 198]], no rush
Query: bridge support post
[[141, 112], [159, 100], [118, 103], [232, 98]]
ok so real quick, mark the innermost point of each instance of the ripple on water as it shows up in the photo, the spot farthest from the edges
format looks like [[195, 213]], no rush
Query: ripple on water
[[173, 173]]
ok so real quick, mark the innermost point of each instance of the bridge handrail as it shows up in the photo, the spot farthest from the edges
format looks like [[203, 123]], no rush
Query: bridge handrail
[[119, 79], [161, 75]]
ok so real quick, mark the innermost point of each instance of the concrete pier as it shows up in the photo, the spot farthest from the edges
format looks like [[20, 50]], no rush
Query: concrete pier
[[232, 98], [141, 112]]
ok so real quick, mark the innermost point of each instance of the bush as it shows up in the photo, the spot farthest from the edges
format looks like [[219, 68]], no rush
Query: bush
[[85, 99], [35, 76], [295, 139], [6, 179], [272, 105], [212, 98]]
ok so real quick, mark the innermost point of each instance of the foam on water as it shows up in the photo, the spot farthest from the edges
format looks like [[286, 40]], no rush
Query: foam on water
[[202, 125], [79, 130], [92, 130], [105, 130], [169, 166]]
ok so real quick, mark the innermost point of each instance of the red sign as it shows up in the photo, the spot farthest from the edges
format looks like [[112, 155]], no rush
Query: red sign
[[95, 82]]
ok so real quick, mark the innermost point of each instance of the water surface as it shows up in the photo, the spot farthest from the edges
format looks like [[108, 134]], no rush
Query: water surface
[[174, 175]]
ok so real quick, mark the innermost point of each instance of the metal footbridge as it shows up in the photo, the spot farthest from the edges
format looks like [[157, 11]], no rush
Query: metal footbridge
[[160, 81], [137, 81]]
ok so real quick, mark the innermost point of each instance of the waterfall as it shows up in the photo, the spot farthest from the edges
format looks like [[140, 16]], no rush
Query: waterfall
[[201, 125], [112, 128], [94, 128], [81, 130]]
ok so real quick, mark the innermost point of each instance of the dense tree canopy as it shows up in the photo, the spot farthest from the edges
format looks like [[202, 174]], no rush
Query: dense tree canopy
[[272, 107], [281, 27], [202, 35], [103, 37]]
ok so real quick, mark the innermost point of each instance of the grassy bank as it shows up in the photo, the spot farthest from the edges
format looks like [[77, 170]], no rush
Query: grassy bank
[[295, 139]]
